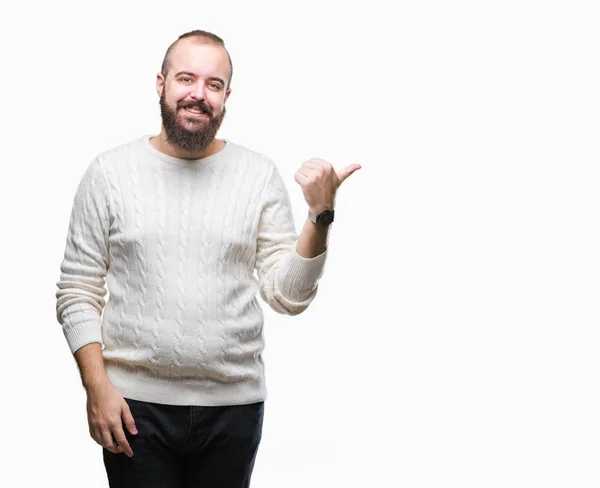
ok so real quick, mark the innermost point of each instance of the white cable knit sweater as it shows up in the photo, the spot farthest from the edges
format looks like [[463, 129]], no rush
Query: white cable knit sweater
[[177, 242]]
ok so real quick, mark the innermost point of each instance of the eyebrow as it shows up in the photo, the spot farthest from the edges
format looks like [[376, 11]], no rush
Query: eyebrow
[[193, 75]]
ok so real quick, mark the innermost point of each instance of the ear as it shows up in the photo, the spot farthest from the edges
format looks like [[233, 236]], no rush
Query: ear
[[160, 84], [227, 93]]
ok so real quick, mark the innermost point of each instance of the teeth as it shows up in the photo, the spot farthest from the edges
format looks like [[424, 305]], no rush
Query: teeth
[[195, 110]]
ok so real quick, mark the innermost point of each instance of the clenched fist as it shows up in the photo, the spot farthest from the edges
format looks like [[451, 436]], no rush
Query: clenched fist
[[319, 182]]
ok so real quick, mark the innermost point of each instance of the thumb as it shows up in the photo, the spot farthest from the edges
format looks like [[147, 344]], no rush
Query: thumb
[[128, 419], [347, 171]]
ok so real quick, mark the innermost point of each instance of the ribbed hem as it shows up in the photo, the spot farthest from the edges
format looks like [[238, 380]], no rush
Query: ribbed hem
[[222, 155], [140, 384]]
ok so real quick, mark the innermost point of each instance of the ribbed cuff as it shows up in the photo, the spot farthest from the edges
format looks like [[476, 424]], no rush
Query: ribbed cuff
[[300, 273], [81, 327]]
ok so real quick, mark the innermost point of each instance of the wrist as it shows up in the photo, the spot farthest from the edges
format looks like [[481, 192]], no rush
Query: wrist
[[322, 218], [92, 385], [317, 209]]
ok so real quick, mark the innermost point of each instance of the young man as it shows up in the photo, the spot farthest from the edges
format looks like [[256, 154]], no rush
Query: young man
[[175, 225]]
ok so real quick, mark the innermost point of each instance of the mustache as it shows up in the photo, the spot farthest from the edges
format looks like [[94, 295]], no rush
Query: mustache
[[199, 105]]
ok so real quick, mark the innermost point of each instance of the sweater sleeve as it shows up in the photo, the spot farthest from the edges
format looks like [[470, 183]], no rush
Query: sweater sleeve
[[288, 282], [81, 288]]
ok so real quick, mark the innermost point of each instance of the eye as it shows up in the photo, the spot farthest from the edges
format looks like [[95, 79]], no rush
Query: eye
[[185, 79], [215, 86]]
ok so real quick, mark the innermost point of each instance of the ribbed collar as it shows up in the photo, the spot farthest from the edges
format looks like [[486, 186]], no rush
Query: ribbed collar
[[222, 155]]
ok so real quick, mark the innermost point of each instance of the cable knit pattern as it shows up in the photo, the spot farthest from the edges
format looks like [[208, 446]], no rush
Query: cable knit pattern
[[184, 247]]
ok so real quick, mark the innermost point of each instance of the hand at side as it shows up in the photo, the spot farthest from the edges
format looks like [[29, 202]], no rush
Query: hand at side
[[107, 410]]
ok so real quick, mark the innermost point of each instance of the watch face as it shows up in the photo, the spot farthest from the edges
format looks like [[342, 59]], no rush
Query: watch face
[[325, 217]]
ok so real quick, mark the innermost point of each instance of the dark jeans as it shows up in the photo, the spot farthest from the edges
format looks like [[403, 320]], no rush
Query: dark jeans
[[188, 447]]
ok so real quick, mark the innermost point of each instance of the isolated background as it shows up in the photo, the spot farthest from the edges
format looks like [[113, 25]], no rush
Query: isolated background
[[454, 339]]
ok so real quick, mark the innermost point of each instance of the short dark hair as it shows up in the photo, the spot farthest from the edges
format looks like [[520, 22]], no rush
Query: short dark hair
[[200, 36]]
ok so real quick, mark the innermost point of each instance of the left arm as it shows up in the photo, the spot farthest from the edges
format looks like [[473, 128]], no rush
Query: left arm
[[288, 266], [313, 240]]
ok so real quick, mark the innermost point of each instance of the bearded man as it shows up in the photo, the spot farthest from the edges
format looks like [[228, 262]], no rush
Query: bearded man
[[174, 226]]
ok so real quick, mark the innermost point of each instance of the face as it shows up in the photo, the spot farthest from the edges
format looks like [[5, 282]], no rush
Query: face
[[193, 94]]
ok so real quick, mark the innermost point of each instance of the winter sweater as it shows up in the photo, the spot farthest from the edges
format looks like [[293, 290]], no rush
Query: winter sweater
[[181, 248]]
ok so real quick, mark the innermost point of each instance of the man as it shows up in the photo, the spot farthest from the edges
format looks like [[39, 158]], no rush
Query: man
[[175, 225]]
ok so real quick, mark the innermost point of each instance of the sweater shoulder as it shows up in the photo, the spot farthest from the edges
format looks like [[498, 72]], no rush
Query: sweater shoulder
[[261, 162], [109, 158]]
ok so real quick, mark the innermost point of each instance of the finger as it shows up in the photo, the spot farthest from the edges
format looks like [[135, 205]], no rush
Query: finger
[[108, 442], [128, 419], [301, 178], [313, 165], [347, 171], [319, 161], [122, 440], [96, 435]]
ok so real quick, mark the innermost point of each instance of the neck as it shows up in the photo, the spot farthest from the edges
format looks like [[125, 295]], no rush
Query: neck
[[160, 142]]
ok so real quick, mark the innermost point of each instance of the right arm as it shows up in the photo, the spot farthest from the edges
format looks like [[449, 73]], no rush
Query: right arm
[[107, 409], [91, 366], [79, 305]]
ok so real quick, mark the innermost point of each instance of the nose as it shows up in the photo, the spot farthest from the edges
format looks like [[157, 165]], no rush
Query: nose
[[198, 91]]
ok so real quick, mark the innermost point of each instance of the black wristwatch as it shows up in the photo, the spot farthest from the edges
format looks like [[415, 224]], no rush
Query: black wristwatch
[[324, 218]]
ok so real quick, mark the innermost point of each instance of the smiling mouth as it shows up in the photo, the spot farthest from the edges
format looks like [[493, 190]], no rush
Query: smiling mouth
[[195, 112]]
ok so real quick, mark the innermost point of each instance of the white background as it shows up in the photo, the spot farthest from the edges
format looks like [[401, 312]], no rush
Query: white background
[[454, 340]]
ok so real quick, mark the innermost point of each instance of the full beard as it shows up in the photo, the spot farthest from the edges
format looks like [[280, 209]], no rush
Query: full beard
[[192, 140]]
